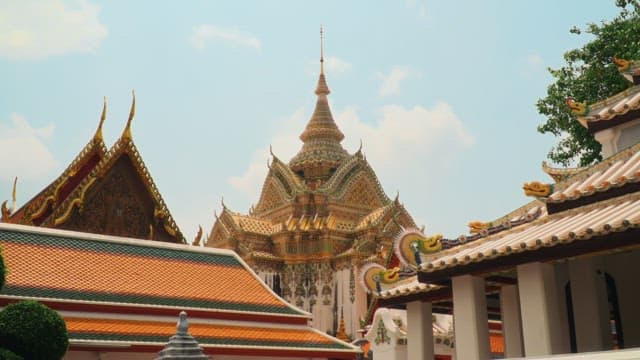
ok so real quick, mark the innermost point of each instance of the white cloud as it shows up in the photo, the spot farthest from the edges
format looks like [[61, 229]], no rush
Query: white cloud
[[408, 134], [419, 6], [23, 152], [285, 145], [399, 133], [203, 34], [391, 83], [32, 30], [333, 66], [535, 61]]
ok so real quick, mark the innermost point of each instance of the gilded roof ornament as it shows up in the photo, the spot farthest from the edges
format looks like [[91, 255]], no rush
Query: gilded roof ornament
[[126, 134], [5, 211], [13, 194], [577, 108], [622, 64], [537, 189], [198, 238], [103, 116]]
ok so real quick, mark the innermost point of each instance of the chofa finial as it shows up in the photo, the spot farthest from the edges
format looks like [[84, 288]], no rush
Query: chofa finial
[[103, 117], [132, 114]]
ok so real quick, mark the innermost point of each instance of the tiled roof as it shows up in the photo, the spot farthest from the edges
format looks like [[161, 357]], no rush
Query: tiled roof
[[208, 335], [409, 286], [252, 224], [616, 171], [581, 224], [608, 109], [375, 216], [53, 264]]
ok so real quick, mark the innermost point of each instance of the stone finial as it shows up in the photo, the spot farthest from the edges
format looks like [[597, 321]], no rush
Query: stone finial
[[183, 324]]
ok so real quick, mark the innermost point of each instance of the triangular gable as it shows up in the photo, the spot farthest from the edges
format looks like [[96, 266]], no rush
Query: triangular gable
[[37, 210]]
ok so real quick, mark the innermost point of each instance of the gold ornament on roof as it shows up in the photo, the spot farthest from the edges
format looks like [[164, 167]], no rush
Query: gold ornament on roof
[[577, 108], [98, 134], [126, 134], [476, 227], [537, 189], [622, 64], [196, 241]]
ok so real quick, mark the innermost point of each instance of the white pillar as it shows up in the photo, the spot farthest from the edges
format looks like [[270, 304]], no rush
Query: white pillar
[[471, 324], [539, 307], [590, 306], [608, 138], [419, 331], [511, 321]]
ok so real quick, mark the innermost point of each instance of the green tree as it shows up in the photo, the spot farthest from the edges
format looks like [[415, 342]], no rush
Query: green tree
[[33, 331], [589, 76]]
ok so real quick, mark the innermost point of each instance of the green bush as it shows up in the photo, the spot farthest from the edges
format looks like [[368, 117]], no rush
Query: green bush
[[3, 272], [33, 331], [8, 355]]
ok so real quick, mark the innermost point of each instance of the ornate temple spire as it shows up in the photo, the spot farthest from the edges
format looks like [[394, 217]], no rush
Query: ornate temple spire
[[321, 137]]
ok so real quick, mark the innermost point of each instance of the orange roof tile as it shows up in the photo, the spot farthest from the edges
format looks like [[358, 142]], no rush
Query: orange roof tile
[[54, 264], [208, 335]]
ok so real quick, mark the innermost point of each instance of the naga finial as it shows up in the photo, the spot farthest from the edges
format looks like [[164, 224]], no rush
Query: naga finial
[[196, 241], [622, 64], [537, 189], [132, 113], [577, 108], [103, 116], [222, 202]]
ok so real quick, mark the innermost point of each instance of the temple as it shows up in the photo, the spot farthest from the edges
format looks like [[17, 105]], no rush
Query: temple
[[319, 219], [102, 191], [557, 274]]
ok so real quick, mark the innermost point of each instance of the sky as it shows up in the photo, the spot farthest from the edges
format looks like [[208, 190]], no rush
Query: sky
[[441, 93]]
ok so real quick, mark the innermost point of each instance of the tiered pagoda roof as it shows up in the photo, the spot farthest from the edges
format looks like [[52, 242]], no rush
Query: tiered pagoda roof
[[97, 281], [103, 191]]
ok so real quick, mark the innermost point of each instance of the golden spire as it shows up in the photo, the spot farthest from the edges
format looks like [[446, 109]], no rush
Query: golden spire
[[127, 130], [321, 136], [322, 88], [321, 50], [342, 333], [98, 134]]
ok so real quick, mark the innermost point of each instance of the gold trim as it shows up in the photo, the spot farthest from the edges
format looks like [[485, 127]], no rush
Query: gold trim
[[79, 202], [45, 205]]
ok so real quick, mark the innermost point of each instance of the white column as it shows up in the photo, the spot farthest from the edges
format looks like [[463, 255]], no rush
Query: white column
[[471, 324], [608, 138], [511, 321], [590, 306], [539, 307], [419, 331]]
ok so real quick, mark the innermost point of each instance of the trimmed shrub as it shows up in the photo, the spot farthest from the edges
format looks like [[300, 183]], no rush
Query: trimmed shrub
[[33, 331], [3, 272], [8, 355]]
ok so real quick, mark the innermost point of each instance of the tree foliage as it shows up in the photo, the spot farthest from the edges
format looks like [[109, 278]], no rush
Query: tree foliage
[[8, 355], [33, 331], [589, 76]]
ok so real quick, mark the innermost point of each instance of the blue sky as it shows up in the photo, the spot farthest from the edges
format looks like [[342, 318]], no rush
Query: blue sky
[[442, 94]]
